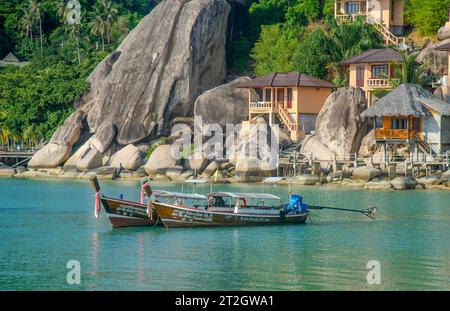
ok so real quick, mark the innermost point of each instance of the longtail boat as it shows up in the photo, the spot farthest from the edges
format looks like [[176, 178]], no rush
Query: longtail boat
[[174, 209], [232, 209], [124, 213]]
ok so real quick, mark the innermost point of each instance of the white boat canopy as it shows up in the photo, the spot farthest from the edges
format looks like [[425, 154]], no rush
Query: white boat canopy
[[251, 196], [169, 194]]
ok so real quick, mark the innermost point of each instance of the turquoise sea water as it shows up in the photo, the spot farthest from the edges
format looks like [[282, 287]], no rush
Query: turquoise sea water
[[46, 223]]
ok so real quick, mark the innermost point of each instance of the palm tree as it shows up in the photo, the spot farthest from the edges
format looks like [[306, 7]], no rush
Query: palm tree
[[409, 71], [109, 15], [75, 33], [98, 28], [38, 14], [62, 10], [32, 15], [348, 39], [98, 24], [26, 23]]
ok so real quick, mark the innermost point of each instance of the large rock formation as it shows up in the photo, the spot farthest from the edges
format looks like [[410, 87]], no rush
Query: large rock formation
[[60, 146], [436, 61], [225, 104], [252, 160], [176, 53], [339, 126]]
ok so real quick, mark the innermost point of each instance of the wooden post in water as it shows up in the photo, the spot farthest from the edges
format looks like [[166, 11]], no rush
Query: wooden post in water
[[446, 161], [295, 163], [392, 171], [334, 163]]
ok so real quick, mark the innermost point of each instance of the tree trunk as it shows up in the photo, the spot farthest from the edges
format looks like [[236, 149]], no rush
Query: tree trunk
[[40, 32], [78, 51]]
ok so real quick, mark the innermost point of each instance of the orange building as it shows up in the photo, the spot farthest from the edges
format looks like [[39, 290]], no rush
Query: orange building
[[294, 98], [372, 71], [387, 16]]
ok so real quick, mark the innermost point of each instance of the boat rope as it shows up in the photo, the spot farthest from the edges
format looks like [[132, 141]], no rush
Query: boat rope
[[143, 193], [157, 220], [149, 210], [97, 205]]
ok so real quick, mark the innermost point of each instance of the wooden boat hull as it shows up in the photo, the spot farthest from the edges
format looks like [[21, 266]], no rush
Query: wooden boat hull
[[123, 213], [179, 216]]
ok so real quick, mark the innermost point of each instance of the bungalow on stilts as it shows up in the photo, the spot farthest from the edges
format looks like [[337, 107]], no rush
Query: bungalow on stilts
[[412, 116]]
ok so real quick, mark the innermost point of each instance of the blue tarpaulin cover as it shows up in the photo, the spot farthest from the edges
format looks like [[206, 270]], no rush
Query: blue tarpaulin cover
[[296, 203]]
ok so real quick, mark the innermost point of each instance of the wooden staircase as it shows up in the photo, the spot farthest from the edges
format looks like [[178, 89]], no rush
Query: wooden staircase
[[424, 145], [289, 122], [389, 37]]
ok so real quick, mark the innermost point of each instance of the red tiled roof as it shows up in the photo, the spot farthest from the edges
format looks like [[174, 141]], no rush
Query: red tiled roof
[[374, 56], [286, 79]]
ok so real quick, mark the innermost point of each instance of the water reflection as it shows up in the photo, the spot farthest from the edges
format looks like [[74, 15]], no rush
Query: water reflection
[[410, 238]]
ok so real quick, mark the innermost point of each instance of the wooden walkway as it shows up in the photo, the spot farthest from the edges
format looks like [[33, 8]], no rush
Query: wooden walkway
[[20, 157], [291, 165]]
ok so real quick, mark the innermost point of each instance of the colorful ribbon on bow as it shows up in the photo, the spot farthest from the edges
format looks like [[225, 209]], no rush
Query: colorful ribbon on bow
[[143, 193], [97, 205]]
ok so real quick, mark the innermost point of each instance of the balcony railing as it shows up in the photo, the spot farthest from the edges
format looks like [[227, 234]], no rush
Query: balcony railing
[[379, 83], [349, 17], [261, 104], [394, 134]]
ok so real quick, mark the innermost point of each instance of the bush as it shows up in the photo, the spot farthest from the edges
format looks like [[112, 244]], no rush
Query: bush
[[427, 16], [162, 141]]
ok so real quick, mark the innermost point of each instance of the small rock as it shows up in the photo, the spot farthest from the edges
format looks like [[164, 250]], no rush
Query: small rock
[[434, 179], [445, 178], [197, 161], [160, 160], [219, 178], [128, 157], [210, 169], [366, 173], [402, 183], [310, 180], [378, 185], [443, 33], [105, 172], [187, 174], [6, 171], [174, 173], [132, 174]]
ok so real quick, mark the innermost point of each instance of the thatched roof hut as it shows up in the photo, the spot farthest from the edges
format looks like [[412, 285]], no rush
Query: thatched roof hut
[[407, 100], [11, 60]]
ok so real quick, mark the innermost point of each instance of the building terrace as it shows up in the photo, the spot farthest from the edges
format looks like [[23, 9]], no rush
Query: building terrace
[[293, 97]]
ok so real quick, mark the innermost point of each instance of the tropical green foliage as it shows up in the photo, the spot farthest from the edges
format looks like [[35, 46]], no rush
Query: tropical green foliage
[[315, 51], [410, 71], [35, 99], [427, 15], [161, 141]]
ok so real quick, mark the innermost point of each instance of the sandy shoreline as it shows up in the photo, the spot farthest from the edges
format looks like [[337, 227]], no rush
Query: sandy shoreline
[[348, 183]]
